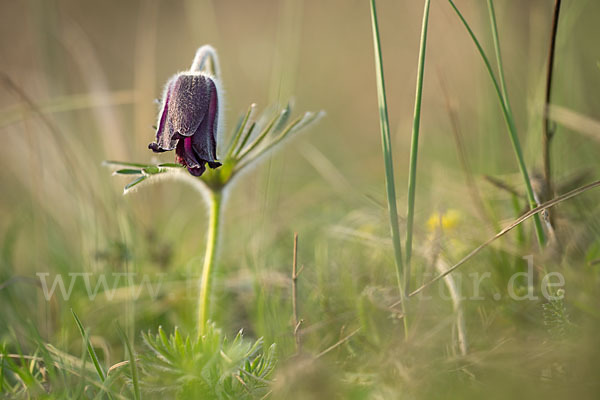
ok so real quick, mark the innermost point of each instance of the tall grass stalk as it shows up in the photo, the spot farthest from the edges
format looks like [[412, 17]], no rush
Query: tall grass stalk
[[216, 198], [388, 162], [507, 112], [414, 146], [533, 202], [548, 129]]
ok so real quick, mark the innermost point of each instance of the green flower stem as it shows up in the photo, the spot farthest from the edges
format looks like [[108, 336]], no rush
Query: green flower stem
[[216, 198], [414, 147], [389, 164], [510, 124]]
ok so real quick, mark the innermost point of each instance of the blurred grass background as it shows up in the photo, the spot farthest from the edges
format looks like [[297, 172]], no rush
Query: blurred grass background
[[78, 84]]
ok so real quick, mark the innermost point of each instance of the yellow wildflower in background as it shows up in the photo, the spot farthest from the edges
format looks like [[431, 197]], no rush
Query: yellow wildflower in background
[[445, 221]]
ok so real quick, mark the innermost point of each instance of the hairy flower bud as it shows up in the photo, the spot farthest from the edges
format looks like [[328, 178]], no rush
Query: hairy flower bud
[[188, 121]]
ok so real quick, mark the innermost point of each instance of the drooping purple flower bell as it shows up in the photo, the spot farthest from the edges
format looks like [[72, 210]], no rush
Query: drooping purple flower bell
[[188, 121]]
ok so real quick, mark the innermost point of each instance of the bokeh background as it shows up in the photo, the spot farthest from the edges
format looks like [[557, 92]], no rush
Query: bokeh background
[[78, 84]]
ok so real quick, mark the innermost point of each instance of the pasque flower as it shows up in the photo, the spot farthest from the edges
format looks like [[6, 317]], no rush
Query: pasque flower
[[188, 120], [189, 123]]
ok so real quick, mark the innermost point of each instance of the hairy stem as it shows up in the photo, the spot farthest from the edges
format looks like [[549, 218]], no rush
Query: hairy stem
[[212, 238]]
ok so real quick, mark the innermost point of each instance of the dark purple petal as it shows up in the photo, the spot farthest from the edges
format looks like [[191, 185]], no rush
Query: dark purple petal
[[204, 139], [188, 122], [189, 103], [186, 154], [186, 157], [156, 148], [164, 140], [198, 171]]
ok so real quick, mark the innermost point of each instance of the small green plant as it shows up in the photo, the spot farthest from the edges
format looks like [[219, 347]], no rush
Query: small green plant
[[207, 367]]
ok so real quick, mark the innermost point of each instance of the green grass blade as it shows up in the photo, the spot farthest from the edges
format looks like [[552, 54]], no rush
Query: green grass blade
[[132, 363], [533, 202], [509, 122], [387, 156], [548, 129], [414, 146], [90, 349], [498, 54]]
